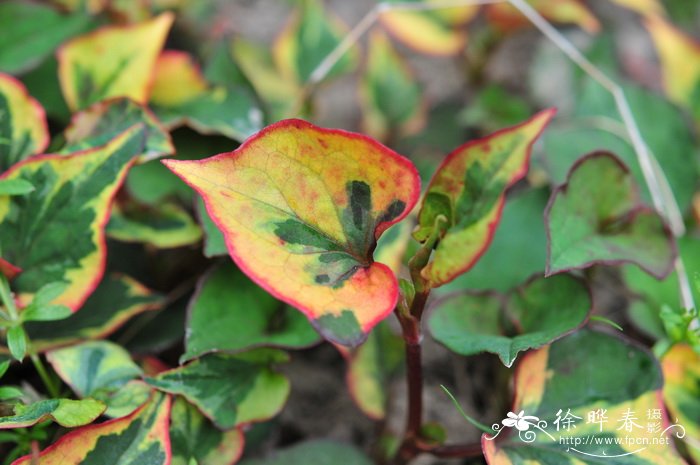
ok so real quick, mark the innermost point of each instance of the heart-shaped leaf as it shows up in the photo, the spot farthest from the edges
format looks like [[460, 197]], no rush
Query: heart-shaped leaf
[[138, 439], [193, 437], [596, 217], [115, 61], [231, 390], [436, 32], [301, 208], [227, 302], [392, 99], [105, 120], [681, 367], [529, 317], [93, 368], [71, 207], [469, 190], [23, 129], [116, 300], [589, 398], [181, 95], [65, 412]]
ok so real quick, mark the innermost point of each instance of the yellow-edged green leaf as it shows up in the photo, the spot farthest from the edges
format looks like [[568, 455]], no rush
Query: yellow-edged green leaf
[[437, 32], [301, 208], [163, 226], [138, 439], [116, 299], [193, 437], [529, 317], [70, 208], [596, 217], [31, 31], [309, 36], [23, 130], [115, 61], [681, 367], [587, 399], [231, 390], [469, 191], [393, 102], [95, 368], [105, 120], [227, 303], [506, 18], [65, 412], [680, 63], [181, 95]]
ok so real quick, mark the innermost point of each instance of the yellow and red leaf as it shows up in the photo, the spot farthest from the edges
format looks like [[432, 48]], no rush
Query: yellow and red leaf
[[301, 209]]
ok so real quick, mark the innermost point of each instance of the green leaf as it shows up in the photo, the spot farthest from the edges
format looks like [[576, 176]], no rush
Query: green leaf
[[323, 226], [227, 303], [4, 365], [370, 368], [469, 190], [138, 439], [318, 452], [17, 342], [31, 31], [65, 412], [23, 127], [163, 226], [15, 187], [105, 120], [519, 239], [46, 313], [181, 95], [529, 317], [116, 299], [231, 390], [77, 191], [597, 218], [49, 292], [10, 392], [115, 61], [595, 381], [681, 368], [126, 399], [193, 437], [214, 241], [94, 368], [309, 36], [393, 102]]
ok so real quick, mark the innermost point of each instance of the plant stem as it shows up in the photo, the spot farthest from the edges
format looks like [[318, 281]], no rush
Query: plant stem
[[6, 297], [45, 377]]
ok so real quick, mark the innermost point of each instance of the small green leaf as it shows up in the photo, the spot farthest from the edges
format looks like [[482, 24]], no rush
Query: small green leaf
[[65, 412], [17, 342], [319, 452], [4, 365], [15, 187], [231, 390], [10, 392], [228, 303], [528, 317], [46, 313], [93, 367], [214, 242], [597, 218], [196, 440], [49, 292]]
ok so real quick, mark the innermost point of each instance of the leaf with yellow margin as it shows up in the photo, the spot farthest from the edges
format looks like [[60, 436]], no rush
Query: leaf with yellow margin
[[115, 61], [681, 366], [436, 32], [506, 18], [301, 208], [137, 439], [57, 231], [469, 190], [680, 63], [590, 398], [23, 129]]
